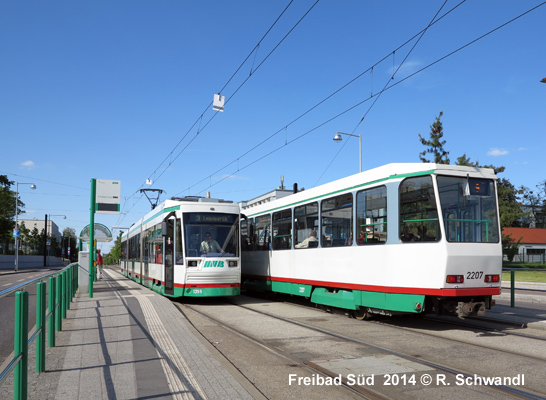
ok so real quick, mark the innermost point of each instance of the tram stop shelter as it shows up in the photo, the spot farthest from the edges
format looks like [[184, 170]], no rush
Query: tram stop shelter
[[102, 234]]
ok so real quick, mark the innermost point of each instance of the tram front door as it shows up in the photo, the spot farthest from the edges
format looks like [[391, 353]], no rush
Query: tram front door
[[169, 257]]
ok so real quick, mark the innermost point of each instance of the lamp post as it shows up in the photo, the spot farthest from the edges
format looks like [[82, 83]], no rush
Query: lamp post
[[45, 229], [32, 186], [338, 138]]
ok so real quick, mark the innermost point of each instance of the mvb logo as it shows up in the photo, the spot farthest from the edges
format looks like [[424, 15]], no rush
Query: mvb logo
[[214, 264]]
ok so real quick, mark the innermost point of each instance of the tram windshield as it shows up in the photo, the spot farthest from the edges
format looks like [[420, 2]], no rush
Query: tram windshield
[[211, 234], [469, 209]]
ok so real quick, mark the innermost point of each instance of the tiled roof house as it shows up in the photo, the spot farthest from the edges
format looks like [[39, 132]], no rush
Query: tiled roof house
[[532, 247]]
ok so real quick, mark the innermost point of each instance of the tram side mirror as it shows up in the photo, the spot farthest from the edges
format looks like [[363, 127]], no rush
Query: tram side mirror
[[164, 228]]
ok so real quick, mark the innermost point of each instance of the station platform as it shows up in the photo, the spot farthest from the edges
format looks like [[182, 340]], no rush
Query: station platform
[[128, 342]]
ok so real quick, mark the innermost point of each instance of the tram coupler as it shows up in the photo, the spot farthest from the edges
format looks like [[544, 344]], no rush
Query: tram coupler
[[474, 309]]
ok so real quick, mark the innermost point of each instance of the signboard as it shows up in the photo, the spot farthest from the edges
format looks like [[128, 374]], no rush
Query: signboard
[[107, 198], [16, 232]]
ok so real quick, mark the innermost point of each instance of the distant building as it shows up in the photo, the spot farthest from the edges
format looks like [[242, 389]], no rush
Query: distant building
[[532, 247], [52, 228], [265, 198]]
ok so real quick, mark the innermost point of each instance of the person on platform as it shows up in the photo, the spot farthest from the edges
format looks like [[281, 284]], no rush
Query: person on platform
[[99, 263]]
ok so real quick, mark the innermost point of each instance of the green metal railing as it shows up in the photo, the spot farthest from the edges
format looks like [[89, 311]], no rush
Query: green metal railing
[[513, 282], [62, 289]]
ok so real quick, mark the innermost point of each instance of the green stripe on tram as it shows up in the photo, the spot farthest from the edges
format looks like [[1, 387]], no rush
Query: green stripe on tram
[[350, 188]]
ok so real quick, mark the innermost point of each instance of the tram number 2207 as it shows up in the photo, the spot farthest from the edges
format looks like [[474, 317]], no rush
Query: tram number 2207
[[474, 275]]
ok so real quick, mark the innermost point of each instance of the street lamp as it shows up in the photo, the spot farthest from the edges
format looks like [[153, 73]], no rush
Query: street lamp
[[338, 138], [32, 186], [45, 230]]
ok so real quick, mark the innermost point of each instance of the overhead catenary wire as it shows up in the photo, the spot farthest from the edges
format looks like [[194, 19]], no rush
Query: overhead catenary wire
[[395, 71], [434, 21], [254, 50], [363, 101], [199, 120]]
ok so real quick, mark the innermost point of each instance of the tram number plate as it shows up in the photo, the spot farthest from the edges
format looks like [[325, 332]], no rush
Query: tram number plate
[[474, 275], [197, 291]]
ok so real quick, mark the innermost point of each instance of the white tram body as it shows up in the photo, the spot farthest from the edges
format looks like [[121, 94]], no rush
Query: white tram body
[[186, 247], [401, 238]]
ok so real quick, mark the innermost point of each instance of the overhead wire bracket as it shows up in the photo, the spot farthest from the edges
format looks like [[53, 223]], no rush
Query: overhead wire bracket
[[154, 199]]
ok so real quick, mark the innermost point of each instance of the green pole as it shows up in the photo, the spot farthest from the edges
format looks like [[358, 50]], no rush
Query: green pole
[[63, 294], [74, 280], [40, 326], [21, 345], [512, 288], [92, 237], [77, 278], [68, 287], [51, 303], [58, 313]]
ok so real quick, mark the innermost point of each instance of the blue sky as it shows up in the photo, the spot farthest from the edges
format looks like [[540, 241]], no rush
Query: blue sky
[[123, 90]]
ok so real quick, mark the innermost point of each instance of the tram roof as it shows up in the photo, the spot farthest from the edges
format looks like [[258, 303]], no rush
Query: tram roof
[[374, 176]]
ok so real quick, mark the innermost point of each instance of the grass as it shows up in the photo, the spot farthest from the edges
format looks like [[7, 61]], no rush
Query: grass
[[526, 276]]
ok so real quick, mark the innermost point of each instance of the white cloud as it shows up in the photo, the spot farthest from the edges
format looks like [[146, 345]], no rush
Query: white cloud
[[497, 152], [28, 165]]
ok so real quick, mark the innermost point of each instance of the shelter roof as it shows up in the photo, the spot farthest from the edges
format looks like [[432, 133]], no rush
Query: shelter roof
[[102, 233]]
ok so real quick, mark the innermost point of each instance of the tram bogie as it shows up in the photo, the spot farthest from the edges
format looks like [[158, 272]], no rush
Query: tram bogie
[[186, 247], [399, 239]]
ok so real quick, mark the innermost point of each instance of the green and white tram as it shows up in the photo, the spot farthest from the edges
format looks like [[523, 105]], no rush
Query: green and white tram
[[186, 247], [401, 238]]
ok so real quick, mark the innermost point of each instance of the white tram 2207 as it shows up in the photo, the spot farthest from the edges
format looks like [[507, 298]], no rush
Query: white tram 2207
[[401, 238], [186, 247]]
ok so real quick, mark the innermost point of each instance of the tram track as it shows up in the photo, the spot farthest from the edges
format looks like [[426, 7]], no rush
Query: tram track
[[362, 391]]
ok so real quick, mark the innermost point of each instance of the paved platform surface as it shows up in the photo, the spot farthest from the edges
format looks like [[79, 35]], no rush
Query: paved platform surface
[[128, 342]]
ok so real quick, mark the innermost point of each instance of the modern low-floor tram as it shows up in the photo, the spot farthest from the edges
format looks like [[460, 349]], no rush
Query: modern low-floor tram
[[402, 238], [186, 247]]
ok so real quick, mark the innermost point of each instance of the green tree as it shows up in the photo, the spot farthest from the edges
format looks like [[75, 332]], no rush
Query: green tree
[[70, 238], [535, 202], [7, 209], [510, 248], [435, 145], [115, 254], [510, 207]]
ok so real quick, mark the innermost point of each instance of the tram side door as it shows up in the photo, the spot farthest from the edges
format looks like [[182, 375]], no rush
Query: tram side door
[[168, 245]]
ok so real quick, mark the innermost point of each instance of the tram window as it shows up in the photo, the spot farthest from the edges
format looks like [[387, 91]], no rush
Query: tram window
[[282, 230], [305, 221], [178, 246], [153, 245], [337, 221], [262, 232], [134, 247], [371, 216], [469, 209], [246, 235], [211, 234], [418, 211]]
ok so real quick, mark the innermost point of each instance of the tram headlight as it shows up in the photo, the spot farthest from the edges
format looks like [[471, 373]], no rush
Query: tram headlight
[[232, 263], [192, 263]]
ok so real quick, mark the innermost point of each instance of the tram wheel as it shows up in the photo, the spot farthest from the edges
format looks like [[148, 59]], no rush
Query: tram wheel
[[362, 314]]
